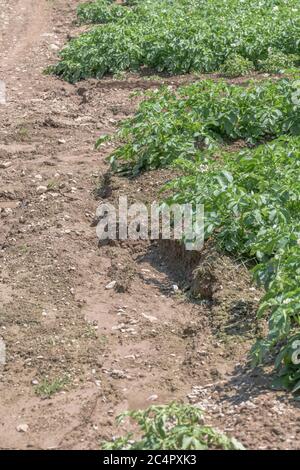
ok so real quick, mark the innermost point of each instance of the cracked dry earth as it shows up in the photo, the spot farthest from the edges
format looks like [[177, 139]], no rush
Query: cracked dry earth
[[106, 351]]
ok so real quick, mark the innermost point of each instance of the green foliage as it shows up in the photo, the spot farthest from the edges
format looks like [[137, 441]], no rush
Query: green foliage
[[236, 65], [252, 207], [100, 11], [202, 116], [277, 62], [171, 427], [288, 363], [179, 36]]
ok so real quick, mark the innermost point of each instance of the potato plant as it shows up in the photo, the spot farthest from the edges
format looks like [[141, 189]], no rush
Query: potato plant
[[171, 427], [251, 198], [203, 117]]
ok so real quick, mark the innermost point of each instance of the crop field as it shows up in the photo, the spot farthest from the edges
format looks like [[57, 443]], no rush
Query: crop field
[[232, 37], [205, 116], [251, 196]]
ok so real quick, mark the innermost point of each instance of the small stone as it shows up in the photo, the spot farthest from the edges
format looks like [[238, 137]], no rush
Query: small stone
[[41, 189], [6, 212], [111, 285], [151, 318], [2, 352], [61, 141], [118, 374], [130, 356], [175, 288], [5, 165], [22, 428], [54, 47], [35, 382], [152, 398]]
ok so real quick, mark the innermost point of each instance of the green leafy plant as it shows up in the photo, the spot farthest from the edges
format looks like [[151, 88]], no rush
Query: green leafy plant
[[101, 11], [288, 365], [48, 388], [180, 36], [202, 117], [171, 427], [236, 66], [277, 62]]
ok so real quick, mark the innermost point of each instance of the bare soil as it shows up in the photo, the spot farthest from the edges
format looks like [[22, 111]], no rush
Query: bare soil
[[99, 351]]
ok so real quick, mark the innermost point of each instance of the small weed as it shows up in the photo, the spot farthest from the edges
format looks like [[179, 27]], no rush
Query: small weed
[[103, 340], [48, 388], [24, 249], [52, 185]]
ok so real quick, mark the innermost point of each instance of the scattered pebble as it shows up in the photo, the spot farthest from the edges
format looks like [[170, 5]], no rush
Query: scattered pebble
[[22, 428], [149, 317], [41, 189], [5, 165], [53, 47], [152, 398]]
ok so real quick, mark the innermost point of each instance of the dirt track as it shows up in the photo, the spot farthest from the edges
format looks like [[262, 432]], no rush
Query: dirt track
[[112, 351]]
